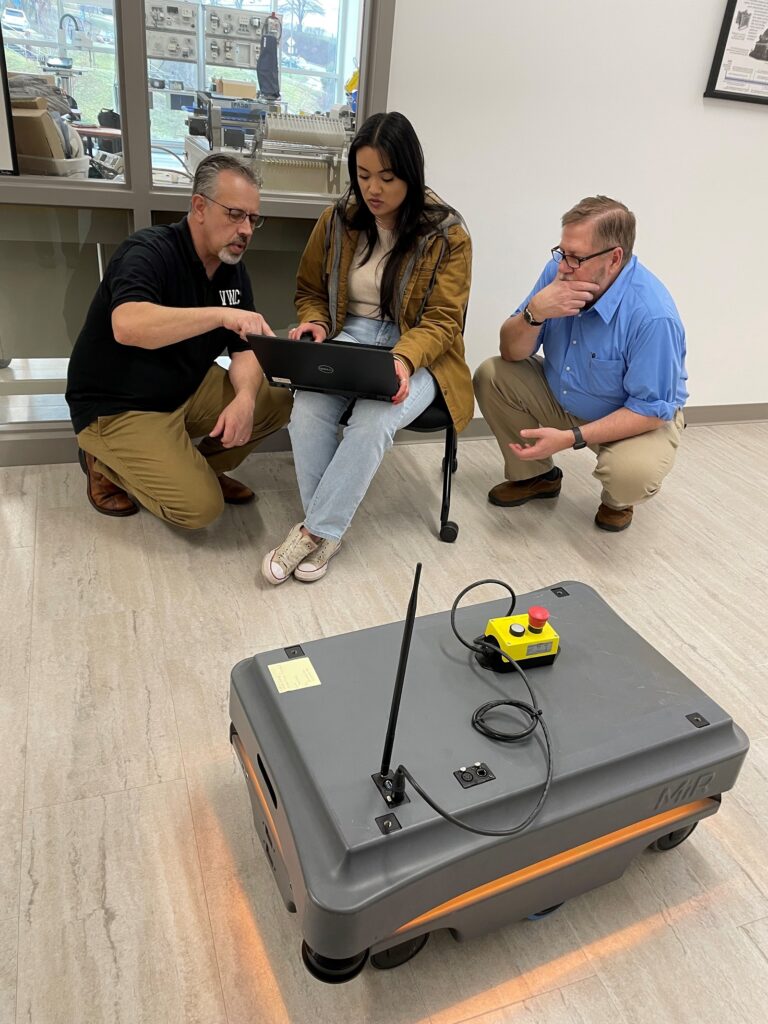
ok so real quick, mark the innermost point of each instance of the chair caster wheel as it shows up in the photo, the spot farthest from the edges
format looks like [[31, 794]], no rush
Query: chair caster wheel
[[397, 955], [669, 842], [454, 465], [449, 532], [544, 913], [331, 970]]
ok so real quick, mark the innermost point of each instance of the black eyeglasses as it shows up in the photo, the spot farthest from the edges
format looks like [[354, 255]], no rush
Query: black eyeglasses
[[574, 262], [236, 215]]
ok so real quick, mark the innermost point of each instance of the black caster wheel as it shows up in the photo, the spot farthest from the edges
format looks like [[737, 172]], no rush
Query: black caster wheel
[[669, 842], [397, 955], [544, 913], [331, 970], [449, 532], [454, 465]]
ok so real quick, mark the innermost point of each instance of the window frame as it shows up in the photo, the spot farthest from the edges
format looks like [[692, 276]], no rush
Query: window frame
[[138, 194]]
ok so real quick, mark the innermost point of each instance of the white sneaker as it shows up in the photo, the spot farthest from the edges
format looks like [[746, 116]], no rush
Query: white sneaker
[[316, 565], [279, 563]]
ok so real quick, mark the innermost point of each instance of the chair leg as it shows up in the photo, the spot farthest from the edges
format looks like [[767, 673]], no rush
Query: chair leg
[[448, 530]]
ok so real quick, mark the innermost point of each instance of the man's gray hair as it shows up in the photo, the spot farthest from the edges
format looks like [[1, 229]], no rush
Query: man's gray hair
[[613, 223], [209, 169]]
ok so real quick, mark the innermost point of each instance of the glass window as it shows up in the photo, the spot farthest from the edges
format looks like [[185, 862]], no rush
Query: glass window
[[51, 261], [270, 84], [62, 79]]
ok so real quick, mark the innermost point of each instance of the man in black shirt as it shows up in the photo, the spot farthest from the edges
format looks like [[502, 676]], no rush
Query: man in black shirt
[[143, 380]]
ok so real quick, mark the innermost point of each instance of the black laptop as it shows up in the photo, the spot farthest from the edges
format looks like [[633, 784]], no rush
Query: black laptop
[[333, 367]]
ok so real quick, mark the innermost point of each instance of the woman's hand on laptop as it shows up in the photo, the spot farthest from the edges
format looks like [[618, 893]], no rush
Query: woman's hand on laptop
[[403, 375], [317, 331], [244, 322]]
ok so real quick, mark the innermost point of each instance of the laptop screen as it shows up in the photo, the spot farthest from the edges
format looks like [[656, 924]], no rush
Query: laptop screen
[[360, 371]]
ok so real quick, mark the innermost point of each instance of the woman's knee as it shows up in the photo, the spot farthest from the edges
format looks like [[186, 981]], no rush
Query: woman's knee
[[370, 443]]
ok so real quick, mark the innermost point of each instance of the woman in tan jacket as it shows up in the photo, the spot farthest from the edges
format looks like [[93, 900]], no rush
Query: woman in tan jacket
[[389, 265]]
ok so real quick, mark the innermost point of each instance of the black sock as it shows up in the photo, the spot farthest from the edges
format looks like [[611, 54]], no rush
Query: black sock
[[553, 474]]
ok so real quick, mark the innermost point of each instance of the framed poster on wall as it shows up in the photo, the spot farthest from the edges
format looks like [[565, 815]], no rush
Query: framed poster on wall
[[740, 68], [8, 163]]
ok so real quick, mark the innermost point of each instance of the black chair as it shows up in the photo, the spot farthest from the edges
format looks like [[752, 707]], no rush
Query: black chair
[[435, 417]]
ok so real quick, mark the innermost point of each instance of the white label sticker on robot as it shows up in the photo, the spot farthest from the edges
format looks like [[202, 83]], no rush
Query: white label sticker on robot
[[296, 674]]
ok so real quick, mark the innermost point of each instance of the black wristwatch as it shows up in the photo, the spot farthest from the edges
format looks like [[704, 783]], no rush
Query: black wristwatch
[[528, 317], [578, 438]]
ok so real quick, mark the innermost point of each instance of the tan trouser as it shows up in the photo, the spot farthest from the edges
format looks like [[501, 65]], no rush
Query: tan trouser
[[515, 396], [151, 455]]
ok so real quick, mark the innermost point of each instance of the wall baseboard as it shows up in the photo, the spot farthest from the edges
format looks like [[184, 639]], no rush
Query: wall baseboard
[[710, 415], [44, 443]]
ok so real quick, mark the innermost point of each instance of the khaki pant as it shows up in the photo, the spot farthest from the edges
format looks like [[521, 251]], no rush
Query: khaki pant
[[151, 455], [516, 396]]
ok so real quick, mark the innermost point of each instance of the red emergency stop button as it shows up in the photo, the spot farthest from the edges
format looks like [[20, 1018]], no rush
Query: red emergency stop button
[[537, 618]]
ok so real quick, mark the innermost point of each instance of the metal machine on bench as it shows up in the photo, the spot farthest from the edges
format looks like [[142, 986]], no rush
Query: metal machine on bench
[[293, 152], [616, 752]]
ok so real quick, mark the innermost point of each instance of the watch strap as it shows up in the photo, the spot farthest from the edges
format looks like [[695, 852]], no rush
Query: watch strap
[[578, 438], [529, 318]]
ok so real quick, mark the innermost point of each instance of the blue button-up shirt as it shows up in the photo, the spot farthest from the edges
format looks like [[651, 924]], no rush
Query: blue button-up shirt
[[626, 351]]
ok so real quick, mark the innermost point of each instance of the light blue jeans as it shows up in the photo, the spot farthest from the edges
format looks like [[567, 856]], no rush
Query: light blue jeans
[[333, 475]]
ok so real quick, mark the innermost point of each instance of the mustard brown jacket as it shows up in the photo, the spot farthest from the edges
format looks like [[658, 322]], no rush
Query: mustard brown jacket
[[429, 305]]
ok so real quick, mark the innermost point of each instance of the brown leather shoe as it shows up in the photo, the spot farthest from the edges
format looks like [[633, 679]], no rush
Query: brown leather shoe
[[234, 492], [614, 519], [510, 493], [106, 497]]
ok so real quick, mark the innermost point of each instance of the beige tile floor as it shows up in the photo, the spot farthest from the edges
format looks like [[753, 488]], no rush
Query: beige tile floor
[[132, 889]]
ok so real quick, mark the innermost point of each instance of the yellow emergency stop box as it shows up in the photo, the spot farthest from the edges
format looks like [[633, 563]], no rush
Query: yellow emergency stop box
[[515, 638]]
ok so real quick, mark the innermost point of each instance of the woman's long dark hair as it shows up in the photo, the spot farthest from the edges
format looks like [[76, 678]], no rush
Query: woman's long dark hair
[[393, 136]]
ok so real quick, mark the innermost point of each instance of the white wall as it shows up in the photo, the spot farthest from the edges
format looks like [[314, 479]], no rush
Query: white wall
[[525, 106]]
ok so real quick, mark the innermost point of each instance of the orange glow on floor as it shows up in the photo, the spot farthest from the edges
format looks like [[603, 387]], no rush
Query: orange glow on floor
[[252, 986], [562, 970]]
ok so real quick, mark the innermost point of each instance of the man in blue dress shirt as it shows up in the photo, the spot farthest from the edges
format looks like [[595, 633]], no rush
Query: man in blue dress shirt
[[612, 377]]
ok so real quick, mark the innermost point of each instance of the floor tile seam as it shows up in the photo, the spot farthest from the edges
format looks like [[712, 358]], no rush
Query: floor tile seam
[[22, 837], [526, 998], [748, 924], [100, 796]]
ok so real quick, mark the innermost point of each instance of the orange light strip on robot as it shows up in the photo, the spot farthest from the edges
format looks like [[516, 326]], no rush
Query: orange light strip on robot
[[560, 860], [248, 764]]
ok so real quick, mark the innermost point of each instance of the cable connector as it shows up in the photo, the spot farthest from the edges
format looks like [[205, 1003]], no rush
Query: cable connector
[[398, 786]]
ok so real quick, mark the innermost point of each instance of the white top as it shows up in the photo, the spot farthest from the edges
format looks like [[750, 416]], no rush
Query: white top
[[364, 282]]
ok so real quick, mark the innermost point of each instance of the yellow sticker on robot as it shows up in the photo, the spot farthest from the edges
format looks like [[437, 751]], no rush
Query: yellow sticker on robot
[[296, 674]]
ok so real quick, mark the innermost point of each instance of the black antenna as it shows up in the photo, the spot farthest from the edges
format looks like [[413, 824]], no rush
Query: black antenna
[[384, 780]]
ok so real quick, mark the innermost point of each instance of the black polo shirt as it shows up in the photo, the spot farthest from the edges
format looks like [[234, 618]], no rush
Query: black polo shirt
[[158, 265]]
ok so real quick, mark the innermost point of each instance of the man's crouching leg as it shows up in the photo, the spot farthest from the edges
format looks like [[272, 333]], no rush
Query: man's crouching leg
[[151, 457], [631, 472]]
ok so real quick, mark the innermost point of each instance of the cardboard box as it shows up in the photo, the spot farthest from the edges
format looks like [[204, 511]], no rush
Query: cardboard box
[[30, 103], [44, 79], [243, 90], [75, 167], [36, 134]]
